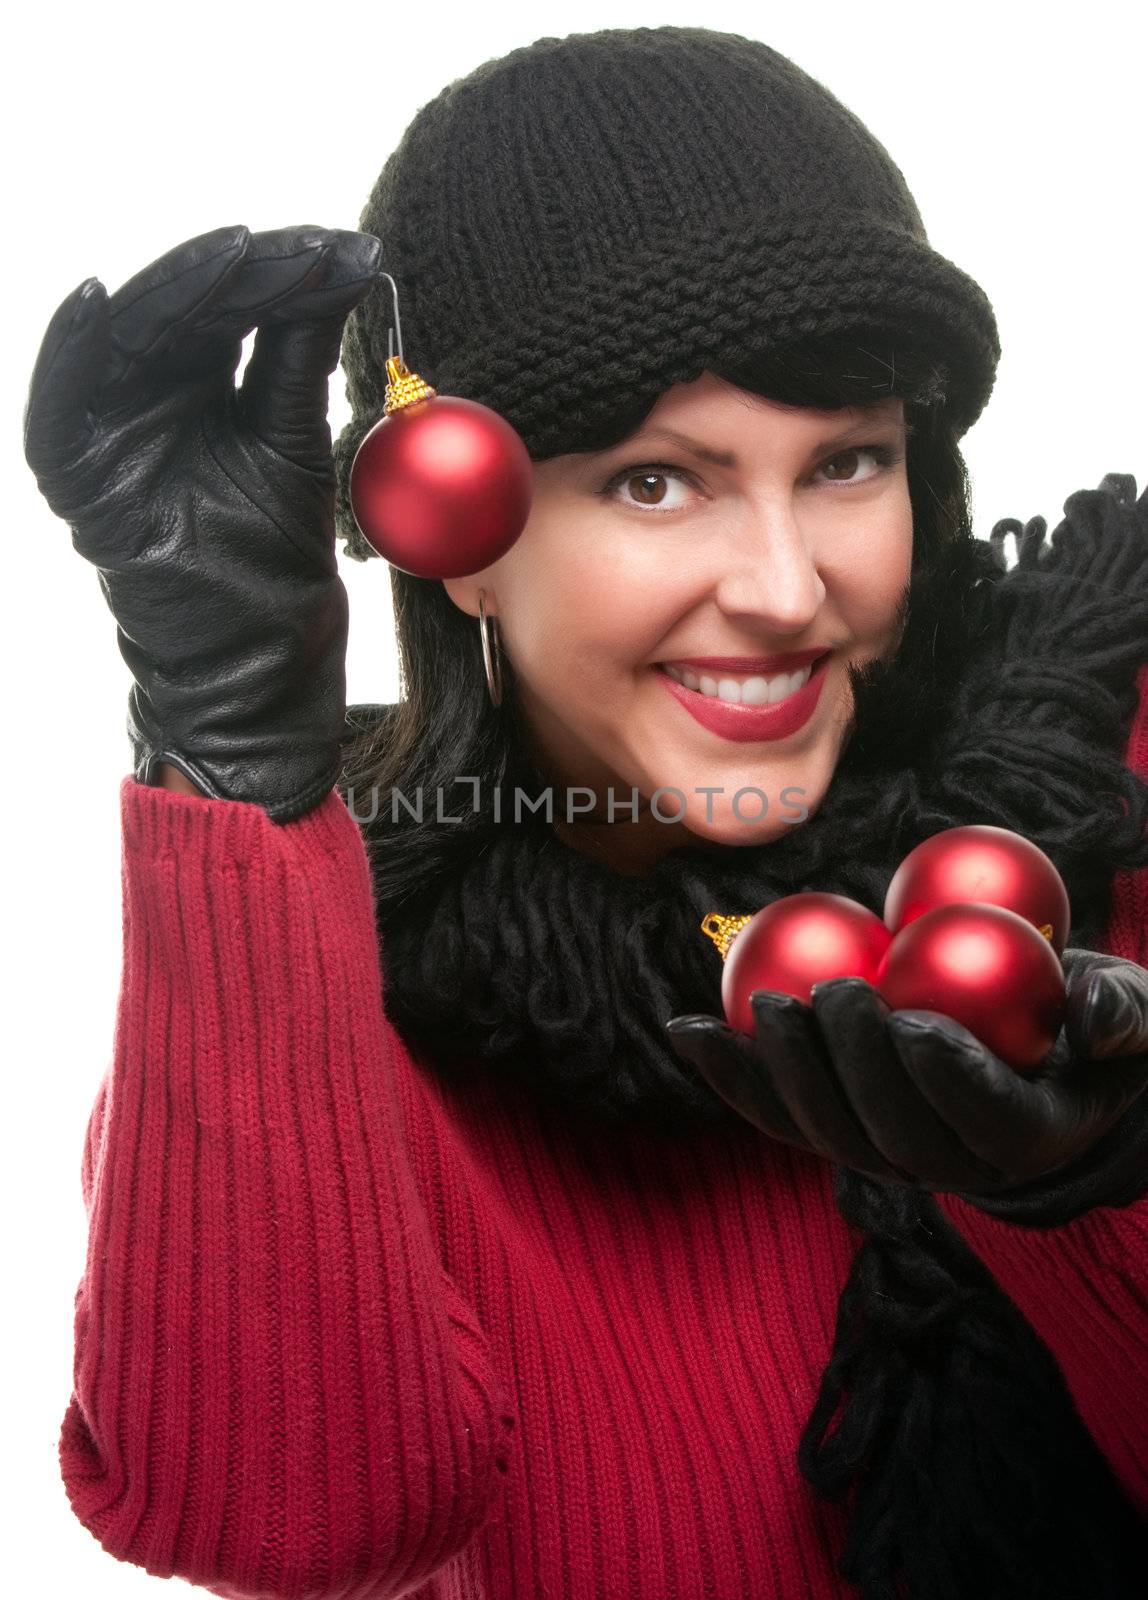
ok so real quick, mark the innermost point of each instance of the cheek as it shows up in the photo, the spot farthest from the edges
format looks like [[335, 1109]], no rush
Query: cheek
[[869, 579], [591, 622]]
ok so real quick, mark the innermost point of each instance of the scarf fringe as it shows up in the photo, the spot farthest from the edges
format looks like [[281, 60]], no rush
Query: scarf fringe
[[968, 1469]]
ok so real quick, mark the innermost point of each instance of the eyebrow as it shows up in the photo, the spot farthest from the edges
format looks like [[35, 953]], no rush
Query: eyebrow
[[727, 458]]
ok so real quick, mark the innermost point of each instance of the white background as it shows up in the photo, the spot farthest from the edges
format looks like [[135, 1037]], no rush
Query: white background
[[132, 127]]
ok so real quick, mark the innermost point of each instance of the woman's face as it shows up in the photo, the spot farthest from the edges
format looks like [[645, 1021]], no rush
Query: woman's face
[[652, 604]]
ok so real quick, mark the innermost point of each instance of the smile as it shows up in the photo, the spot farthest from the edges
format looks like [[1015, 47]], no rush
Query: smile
[[747, 689], [745, 707]]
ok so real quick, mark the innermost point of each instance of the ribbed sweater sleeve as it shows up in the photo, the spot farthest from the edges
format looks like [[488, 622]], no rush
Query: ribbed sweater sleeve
[[278, 1390], [1084, 1286]]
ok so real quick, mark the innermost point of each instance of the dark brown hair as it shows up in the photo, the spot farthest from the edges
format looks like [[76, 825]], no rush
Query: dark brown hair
[[445, 725]]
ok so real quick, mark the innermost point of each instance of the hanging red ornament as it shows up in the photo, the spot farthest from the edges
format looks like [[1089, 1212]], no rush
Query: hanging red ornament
[[987, 968], [792, 944], [986, 865], [440, 486]]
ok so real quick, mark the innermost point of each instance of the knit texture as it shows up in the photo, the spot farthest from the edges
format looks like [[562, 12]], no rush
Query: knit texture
[[345, 1332], [562, 973], [610, 213], [533, 952]]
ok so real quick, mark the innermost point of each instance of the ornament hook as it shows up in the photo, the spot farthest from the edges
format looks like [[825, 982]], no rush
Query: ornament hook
[[404, 387], [395, 333]]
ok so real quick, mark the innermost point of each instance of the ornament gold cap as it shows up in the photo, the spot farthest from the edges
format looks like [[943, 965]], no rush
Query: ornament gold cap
[[723, 930], [404, 388]]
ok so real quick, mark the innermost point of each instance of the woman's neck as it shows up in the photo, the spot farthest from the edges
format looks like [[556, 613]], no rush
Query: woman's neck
[[631, 848]]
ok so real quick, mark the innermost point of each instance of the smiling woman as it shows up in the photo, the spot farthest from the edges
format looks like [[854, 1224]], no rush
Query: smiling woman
[[792, 475], [812, 509], [443, 1237], [764, 565], [744, 397]]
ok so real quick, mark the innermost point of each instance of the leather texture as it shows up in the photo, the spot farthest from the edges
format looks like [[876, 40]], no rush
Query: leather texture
[[911, 1097], [207, 508]]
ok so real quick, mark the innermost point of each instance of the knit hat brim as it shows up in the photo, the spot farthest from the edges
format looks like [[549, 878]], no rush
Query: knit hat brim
[[646, 322]]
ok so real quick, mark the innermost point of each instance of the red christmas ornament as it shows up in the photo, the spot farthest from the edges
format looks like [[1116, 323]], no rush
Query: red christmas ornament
[[991, 866], [441, 486], [792, 944], [986, 967]]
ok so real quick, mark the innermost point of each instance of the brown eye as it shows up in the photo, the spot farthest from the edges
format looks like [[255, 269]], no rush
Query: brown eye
[[648, 488], [645, 485], [849, 458], [843, 467]]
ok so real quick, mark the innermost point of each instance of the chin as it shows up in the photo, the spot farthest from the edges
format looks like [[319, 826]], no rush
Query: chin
[[791, 787], [728, 831]]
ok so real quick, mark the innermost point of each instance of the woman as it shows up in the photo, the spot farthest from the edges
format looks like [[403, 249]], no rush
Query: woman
[[452, 1273]]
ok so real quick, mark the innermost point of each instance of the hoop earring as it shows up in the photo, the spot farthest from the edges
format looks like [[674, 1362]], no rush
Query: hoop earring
[[491, 650]]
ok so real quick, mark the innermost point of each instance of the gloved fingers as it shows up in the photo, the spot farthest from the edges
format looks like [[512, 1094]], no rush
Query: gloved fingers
[[792, 1057], [1099, 1065], [1107, 1005], [286, 275], [190, 311], [166, 299], [727, 1060], [283, 396], [900, 1122], [347, 269], [1020, 1125], [73, 352]]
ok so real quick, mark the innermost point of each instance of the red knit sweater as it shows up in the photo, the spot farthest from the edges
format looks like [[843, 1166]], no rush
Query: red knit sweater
[[341, 1332]]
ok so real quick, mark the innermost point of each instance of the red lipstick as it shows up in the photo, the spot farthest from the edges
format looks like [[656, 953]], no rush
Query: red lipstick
[[762, 664], [748, 723]]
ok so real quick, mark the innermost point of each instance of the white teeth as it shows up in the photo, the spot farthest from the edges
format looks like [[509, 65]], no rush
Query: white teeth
[[752, 691]]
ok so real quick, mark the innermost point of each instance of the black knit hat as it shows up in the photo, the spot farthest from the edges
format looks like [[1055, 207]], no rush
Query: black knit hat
[[611, 213]]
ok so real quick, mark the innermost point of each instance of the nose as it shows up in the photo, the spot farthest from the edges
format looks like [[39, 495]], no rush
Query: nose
[[770, 575]]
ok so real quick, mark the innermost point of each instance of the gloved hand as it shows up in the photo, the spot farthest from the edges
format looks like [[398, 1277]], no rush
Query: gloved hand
[[207, 509], [912, 1098]]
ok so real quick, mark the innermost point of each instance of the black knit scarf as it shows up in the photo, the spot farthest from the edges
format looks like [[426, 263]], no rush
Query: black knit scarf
[[970, 1474]]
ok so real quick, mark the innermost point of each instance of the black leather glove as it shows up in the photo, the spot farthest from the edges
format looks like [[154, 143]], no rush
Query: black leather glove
[[912, 1098], [208, 509]]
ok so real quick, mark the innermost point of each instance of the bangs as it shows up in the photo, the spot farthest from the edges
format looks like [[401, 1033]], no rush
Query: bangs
[[826, 374]]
